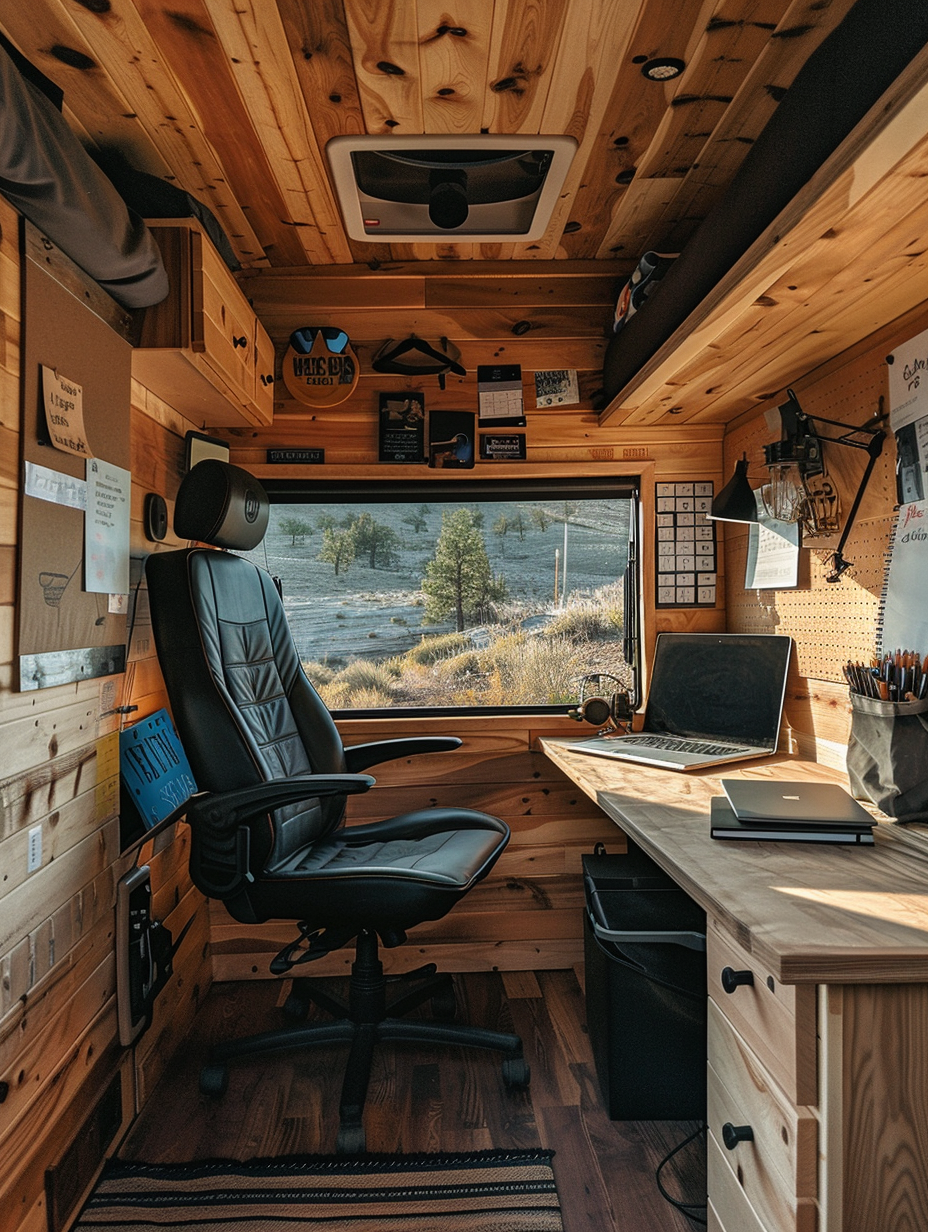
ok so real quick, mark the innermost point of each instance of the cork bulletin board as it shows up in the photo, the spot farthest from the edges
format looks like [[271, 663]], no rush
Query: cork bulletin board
[[67, 632]]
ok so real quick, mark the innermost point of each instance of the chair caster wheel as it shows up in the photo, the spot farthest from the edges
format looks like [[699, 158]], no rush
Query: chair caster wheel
[[350, 1140], [444, 1005], [516, 1073], [214, 1080]]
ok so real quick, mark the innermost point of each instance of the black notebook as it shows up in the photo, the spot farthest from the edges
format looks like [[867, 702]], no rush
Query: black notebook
[[725, 825]]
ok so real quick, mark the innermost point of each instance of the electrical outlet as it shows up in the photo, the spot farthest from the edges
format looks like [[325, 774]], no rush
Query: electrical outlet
[[34, 856]]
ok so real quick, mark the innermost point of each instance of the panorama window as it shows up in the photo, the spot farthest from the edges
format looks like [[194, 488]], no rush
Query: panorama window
[[480, 595]]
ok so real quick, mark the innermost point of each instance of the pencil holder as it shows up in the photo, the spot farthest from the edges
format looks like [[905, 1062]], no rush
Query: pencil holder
[[887, 755]]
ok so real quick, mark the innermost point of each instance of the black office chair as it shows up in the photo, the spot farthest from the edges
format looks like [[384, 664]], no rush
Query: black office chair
[[267, 831]]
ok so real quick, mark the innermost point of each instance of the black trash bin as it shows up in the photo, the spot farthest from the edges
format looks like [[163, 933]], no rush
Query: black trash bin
[[644, 950]]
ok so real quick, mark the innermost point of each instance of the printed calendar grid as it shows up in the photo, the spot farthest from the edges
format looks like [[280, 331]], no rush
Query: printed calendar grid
[[686, 547]]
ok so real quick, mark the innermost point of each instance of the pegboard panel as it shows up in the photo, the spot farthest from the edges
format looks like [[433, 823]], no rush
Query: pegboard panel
[[830, 622]]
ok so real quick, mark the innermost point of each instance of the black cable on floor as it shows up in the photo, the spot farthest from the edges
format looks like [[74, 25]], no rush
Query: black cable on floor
[[688, 1208]]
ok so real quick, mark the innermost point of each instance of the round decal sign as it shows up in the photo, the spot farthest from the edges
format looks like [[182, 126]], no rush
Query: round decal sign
[[320, 368]]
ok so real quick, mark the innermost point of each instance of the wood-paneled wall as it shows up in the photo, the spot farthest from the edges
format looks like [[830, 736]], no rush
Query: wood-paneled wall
[[830, 622], [528, 913], [59, 1048], [58, 1031]]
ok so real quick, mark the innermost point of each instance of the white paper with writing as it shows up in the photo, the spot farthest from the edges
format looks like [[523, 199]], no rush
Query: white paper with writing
[[106, 528], [904, 614]]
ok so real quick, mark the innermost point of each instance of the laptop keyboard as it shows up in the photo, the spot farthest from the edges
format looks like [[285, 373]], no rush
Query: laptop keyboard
[[678, 744]]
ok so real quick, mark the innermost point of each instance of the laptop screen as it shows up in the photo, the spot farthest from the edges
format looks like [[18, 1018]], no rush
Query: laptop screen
[[718, 686]]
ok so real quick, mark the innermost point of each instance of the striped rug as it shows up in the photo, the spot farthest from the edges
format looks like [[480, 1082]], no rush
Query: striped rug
[[474, 1191]]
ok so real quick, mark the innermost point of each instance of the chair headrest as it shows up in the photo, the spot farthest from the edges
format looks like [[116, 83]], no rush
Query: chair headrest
[[221, 504]]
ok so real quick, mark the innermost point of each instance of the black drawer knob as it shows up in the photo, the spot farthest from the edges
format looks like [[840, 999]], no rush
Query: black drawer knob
[[240, 342], [732, 978], [733, 1134]]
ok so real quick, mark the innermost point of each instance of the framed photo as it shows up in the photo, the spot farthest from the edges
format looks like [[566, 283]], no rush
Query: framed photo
[[402, 427]]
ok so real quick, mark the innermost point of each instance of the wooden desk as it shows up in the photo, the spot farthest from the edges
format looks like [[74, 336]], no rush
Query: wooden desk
[[825, 1052]]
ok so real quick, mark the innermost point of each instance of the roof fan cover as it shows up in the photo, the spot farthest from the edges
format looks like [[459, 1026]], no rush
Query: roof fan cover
[[425, 189]]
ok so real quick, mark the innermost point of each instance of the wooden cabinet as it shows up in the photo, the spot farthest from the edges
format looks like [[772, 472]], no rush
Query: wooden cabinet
[[760, 1142], [202, 349], [817, 965]]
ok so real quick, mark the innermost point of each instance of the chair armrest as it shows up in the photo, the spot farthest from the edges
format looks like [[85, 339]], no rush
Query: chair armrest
[[225, 809], [220, 860], [360, 756]]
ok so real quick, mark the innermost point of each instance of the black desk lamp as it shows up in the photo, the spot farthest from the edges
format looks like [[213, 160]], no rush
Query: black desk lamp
[[792, 462]]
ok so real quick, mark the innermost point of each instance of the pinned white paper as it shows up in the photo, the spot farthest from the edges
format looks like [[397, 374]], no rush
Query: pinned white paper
[[54, 487], [106, 528]]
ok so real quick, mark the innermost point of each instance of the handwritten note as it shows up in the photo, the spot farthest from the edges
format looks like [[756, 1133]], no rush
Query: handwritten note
[[64, 413], [904, 609]]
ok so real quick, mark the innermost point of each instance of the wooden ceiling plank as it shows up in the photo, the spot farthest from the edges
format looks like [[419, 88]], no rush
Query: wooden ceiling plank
[[385, 45], [454, 48], [858, 310], [784, 313], [491, 324], [721, 51], [893, 124], [865, 253], [187, 45], [632, 226], [771, 74], [630, 122], [899, 287], [480, 271], [277, 299], [594, 42], [439, 284], [546, 290], [524, 42], [252, 35], [718, 59], [321, 51], [129, 84]]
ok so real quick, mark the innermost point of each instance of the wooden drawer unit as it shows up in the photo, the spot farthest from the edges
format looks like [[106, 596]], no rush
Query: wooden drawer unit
[[769, 1144], [729, 1209], [202, 349], [777, 1020]]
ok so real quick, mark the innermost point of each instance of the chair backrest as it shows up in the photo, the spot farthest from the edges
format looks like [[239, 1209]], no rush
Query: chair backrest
[[243, 707]]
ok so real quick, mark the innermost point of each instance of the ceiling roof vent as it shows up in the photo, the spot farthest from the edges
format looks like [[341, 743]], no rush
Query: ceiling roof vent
[[485, 187]]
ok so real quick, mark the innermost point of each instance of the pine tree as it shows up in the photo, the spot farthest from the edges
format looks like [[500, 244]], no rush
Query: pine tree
[[458, 579]]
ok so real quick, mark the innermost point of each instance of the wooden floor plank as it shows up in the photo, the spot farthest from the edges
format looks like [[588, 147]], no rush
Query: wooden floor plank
[[429, 1099]]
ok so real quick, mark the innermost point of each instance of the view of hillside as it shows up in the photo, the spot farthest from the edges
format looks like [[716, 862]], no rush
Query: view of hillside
[[448, 604]]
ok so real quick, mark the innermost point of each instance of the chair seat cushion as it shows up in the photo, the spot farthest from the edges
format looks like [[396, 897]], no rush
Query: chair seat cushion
[[411, 868], [450, 858]]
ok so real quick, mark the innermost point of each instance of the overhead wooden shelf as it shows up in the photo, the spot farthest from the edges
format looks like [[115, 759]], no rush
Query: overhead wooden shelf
[[849, 253]]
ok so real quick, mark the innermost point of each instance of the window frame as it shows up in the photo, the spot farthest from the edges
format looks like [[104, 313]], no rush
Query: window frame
[[293, 490]]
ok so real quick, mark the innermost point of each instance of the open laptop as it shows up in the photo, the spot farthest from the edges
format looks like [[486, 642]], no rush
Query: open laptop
[[791, 803], [713, 698]]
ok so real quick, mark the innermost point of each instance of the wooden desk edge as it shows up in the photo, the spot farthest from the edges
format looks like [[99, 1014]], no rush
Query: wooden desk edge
[[791, 964]]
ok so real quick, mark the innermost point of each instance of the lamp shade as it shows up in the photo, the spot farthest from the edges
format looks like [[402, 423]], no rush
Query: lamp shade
[[736, 501]]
